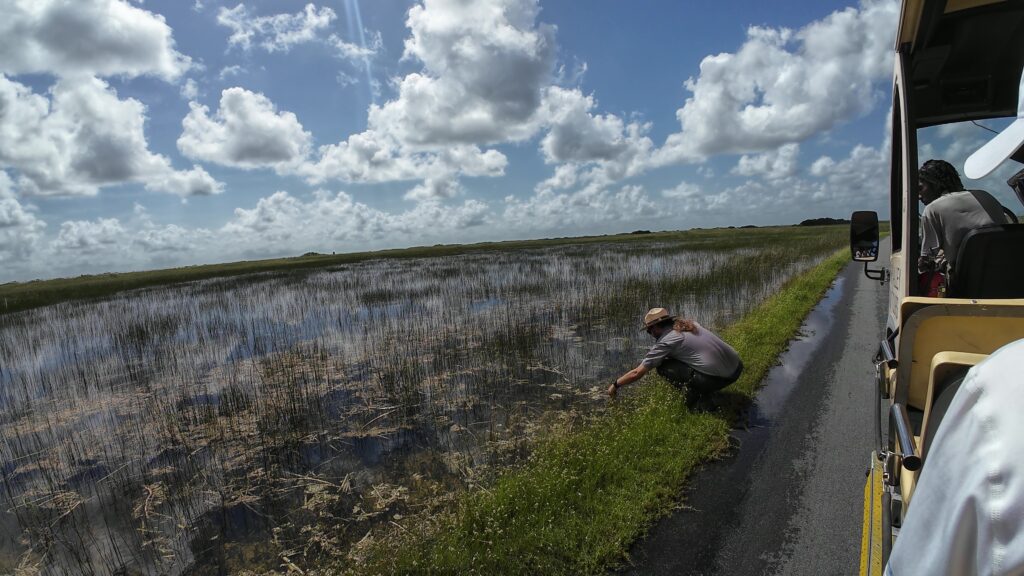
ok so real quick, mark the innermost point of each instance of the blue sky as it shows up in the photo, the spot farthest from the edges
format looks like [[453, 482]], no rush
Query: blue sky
[[137, 135]]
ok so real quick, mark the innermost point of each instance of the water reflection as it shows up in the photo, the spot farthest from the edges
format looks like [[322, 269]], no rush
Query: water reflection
[[223, 424]]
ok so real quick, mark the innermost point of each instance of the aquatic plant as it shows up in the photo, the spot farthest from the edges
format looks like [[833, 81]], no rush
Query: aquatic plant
[[213, 425]]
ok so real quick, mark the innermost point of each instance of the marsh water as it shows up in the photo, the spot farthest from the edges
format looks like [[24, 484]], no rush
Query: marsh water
[[271, 421]]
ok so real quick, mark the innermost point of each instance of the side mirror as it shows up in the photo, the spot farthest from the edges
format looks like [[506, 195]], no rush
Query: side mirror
[[864, 236]]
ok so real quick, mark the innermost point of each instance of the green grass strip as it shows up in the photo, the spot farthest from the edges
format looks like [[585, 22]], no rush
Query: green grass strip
[[765, 332], [578, 503]]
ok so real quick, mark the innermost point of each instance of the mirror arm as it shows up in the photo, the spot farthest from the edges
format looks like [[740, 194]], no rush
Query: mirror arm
[[880, 274]]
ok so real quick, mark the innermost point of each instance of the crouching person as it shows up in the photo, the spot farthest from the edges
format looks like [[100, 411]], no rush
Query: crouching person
[[686, 354]]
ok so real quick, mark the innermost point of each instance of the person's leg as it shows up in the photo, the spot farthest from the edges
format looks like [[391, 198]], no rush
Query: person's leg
[[676, 372], [706, 384]]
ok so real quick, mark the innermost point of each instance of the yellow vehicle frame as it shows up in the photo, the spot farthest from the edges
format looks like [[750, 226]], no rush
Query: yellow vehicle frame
[[928, 340]]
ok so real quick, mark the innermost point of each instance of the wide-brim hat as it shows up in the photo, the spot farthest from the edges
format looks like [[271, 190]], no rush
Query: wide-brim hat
[[1002, 146], [655, 316]]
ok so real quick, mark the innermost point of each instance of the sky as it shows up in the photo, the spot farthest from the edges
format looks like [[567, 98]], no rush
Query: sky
[[138, 135]]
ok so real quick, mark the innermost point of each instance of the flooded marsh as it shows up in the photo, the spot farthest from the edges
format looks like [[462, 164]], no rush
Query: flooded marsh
[[272, 421]]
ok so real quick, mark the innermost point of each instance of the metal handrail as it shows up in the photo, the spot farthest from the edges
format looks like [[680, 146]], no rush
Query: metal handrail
[[908, 449]]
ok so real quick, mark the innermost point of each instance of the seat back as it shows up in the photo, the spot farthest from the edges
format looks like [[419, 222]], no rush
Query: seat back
[[989, 263]]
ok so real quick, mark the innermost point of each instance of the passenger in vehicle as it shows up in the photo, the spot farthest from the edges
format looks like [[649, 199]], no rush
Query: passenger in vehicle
[[967, 508], [950, 213], [685, 353]]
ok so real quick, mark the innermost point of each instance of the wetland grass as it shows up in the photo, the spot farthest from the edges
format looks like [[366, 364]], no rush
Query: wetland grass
[[584, 496], [273, 421], [18, 296]]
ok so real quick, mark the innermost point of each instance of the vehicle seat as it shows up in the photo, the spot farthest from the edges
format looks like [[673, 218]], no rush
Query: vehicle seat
[[944, 396], [989, 263]]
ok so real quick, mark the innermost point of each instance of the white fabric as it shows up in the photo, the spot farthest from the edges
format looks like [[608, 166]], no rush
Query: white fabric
[[967, 512], [996, 151], [1002, 146]]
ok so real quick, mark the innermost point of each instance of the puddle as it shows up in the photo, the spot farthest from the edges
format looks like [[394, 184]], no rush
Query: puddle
[[782, 379], [716, 492]]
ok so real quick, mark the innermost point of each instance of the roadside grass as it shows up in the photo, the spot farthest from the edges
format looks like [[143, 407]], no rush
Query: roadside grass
[[578, 502], [17, 296], [765, 331]]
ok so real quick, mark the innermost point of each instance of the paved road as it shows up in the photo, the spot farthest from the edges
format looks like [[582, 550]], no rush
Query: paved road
[[789, 499]]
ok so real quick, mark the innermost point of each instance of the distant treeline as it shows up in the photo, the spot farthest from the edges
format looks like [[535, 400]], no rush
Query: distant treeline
[[823, 222]]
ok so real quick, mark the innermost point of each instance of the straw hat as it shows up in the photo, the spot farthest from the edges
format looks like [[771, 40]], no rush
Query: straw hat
[[654, 316]]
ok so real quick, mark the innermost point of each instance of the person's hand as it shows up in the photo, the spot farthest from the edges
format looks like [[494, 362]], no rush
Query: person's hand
[[613, 389]]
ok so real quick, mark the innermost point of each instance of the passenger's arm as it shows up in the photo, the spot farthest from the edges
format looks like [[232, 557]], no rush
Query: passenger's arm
[[929, 243]]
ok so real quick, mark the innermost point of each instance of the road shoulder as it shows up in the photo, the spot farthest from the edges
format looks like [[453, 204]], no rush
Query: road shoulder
[[787, 500]]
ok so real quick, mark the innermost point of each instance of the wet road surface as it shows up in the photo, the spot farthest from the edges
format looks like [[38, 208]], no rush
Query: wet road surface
[[789, 498]]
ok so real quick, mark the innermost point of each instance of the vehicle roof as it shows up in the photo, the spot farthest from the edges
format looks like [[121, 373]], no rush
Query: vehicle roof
[[965, 58]]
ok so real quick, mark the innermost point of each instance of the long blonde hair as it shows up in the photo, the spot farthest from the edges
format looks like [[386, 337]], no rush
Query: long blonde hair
[[685, 325]]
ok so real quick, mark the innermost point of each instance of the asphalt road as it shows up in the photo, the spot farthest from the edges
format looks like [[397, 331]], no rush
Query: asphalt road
[[789, 499]]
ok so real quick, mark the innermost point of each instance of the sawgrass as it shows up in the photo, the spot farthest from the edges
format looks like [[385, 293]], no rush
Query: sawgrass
[[311, 415], [577, 503], [583, 497], [765, 331], [17, 296]]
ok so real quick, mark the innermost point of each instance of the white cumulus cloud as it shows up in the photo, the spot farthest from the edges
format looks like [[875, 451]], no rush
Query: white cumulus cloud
[[777, 164], [283, 223], [485, 65], [193, 182], [580, 211], [434, 188], [374, 157], [81, 138], [578, 135], [104, 235], [862, 178], [565, 176], [276, 33], [784, 86], [683, 190], [20, 228], [87, 37], [190, 90], [282, 32], [601, 148], [246, 131], [111, 244], [229, 71], [354, 52], [487, 78], [154, 241], [830, 187]]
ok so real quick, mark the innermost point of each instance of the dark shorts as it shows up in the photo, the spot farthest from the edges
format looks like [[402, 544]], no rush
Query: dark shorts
[[682, 374]]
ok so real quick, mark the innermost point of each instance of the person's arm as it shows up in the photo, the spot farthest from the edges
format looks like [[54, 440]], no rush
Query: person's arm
[[930, 246], [627, 378], [654, 358]]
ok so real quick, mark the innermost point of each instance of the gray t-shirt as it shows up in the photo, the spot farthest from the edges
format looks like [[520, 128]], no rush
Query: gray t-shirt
[[948, 219], [701, 350]]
